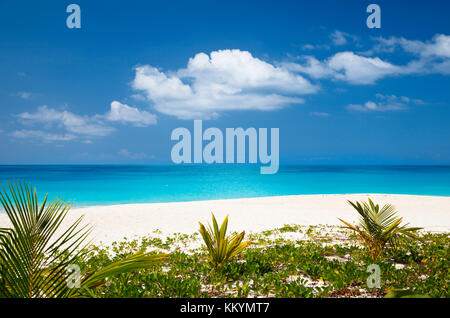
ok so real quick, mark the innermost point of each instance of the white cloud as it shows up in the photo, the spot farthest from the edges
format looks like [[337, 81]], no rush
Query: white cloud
[[138, 97], [385, 103], [359, 69], [308, 47], [83, 126], [124, 113], [341, 38], [24, 95], [346, 66], [224, 80], [311, 66], [432, 56], [41, 135], [73, 123], [338, 38], [439, 46]]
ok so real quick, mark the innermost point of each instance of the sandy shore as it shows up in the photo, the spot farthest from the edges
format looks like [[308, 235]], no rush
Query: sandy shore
[[112, 223]]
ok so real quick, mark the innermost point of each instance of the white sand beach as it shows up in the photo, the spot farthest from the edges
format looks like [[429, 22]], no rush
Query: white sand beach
[[114, 222]]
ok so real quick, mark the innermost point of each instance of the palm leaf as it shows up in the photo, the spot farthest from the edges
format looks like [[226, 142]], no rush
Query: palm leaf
[[34, 259], [377, 227]]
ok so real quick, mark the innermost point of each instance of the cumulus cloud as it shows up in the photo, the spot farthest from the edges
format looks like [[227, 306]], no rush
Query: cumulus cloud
[[357, 69], [431, 56], [73, 123], [346, 66], [439, 46], [311, 66], [364, 68], [224, 80], [385, 103], [127, 114], [76, 125]]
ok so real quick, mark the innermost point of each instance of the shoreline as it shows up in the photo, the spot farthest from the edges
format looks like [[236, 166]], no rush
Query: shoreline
[[115, 222], [78, 207]]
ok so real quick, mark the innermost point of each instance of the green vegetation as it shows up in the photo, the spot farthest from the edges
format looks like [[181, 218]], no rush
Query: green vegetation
[[221, 248], [292, 261], [35, 259], [379, 227]]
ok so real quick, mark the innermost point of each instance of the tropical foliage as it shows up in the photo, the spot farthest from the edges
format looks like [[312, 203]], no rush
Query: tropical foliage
[[221, 248], [38, 259], [292, 261], [378, 227]]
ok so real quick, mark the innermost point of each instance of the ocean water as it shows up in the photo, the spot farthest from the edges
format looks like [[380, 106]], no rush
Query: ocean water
[[87, 185]]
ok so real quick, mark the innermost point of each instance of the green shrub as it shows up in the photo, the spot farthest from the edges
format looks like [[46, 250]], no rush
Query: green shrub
[[221, 248], [377, 227]]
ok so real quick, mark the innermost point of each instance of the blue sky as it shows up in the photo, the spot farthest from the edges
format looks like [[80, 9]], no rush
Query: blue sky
[[112, 91]]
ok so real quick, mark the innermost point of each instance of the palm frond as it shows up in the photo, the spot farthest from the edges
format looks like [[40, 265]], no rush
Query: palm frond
[[377, 227], [34, 258]]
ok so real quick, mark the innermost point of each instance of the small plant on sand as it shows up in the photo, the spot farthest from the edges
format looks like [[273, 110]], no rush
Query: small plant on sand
[[378, 227], [221, 248], [35, 257]]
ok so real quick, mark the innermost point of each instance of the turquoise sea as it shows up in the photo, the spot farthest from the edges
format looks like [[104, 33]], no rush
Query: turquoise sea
[[113, 184]]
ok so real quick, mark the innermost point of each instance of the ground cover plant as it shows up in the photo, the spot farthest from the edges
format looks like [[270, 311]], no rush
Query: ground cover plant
[[292, 261]]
